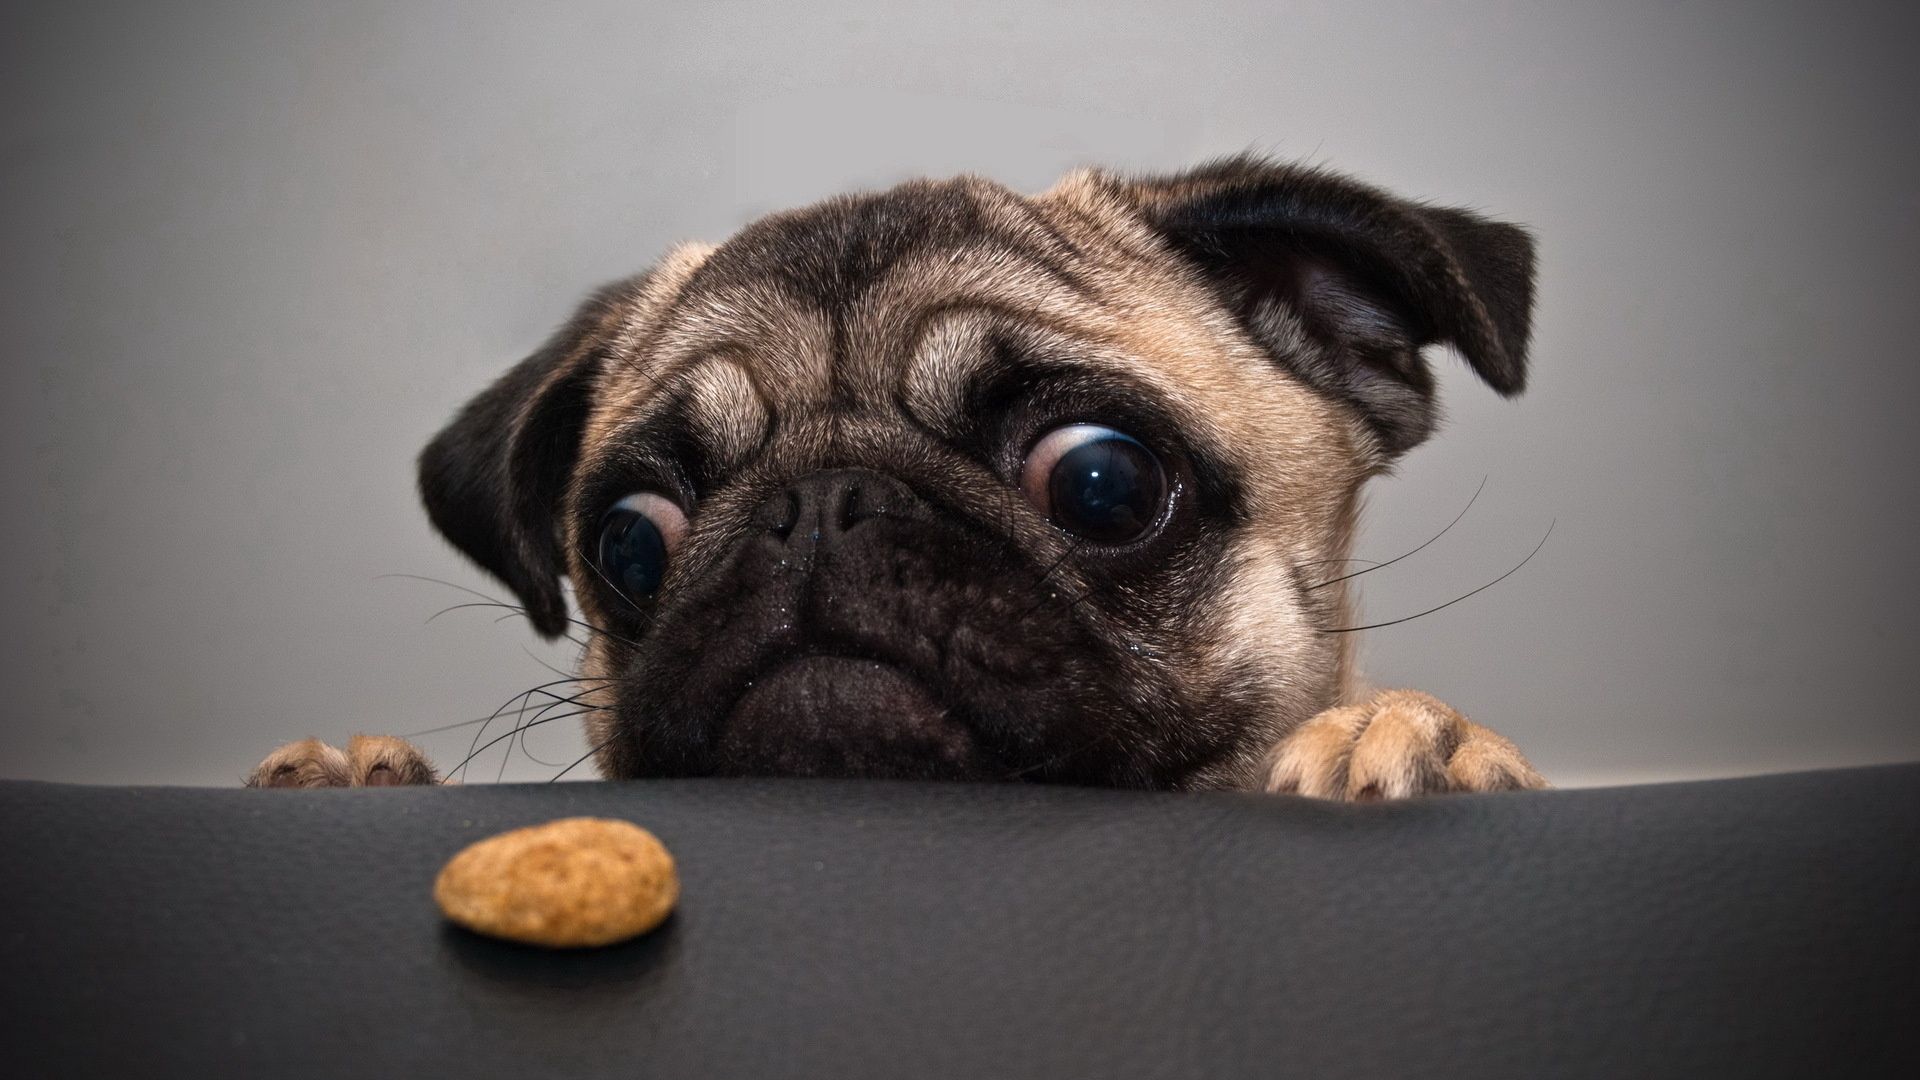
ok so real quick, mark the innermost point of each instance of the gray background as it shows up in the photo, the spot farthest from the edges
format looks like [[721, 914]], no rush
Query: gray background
[[255, 253]]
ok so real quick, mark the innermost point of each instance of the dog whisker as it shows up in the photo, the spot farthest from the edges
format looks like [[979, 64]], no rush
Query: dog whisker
[[1455, 600], [533, 757], [1049, 763], [517, 729], [1039, 586], [1371, 563], [516, 609], [546, 665], [506, 757], [587, 559], [536, 758], [521, 722], [1415, 551], [525, 699], [583, 757], [495, 601], [1006, 550], [476, 720]]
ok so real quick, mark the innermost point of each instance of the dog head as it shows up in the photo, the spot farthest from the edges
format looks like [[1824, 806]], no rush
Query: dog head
[[947, 481]]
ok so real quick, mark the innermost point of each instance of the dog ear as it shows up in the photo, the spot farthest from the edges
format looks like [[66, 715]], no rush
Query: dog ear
[[1344, 284], [494, 478]]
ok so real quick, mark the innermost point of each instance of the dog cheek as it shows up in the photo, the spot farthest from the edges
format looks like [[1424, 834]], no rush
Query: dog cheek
[[1268, 654]]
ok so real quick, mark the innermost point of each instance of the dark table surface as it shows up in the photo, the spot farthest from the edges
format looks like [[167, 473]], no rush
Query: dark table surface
[[1768, 926]]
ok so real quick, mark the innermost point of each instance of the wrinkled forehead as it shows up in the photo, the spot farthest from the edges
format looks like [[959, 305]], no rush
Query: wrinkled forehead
[[902, 301], [835, 256], [826, 302]]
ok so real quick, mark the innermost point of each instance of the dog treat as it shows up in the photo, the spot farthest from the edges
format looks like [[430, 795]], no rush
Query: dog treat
[[567, 884]]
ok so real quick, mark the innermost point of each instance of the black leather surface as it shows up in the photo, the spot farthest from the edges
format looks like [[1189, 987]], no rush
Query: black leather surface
[[1751, 927]]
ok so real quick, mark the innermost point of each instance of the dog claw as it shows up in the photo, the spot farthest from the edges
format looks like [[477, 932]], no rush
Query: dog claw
[[1396, 744], [368, 761]]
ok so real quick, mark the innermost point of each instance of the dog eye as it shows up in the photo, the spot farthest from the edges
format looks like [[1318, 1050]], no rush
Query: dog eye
[[1095, 482], [636, 536]]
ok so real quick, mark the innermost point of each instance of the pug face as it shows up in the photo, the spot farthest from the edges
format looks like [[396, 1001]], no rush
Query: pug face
[[947, 481]]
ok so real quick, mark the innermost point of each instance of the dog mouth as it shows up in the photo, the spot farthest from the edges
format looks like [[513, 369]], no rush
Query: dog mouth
[[841, 641], [837, 714]]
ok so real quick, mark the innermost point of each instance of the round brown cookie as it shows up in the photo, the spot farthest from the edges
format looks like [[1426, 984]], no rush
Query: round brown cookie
[[567, 884]]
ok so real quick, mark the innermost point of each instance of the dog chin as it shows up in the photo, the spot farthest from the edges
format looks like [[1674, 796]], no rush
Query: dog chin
[[825, 715]]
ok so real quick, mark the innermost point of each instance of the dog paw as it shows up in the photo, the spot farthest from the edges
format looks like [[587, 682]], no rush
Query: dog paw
[[368, 761], [1395, 744]]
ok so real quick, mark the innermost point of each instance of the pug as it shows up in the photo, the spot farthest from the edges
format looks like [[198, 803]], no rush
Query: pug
[[952, 482]]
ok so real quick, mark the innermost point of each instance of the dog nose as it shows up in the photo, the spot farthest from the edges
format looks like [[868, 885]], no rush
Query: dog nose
[[819, 507]]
